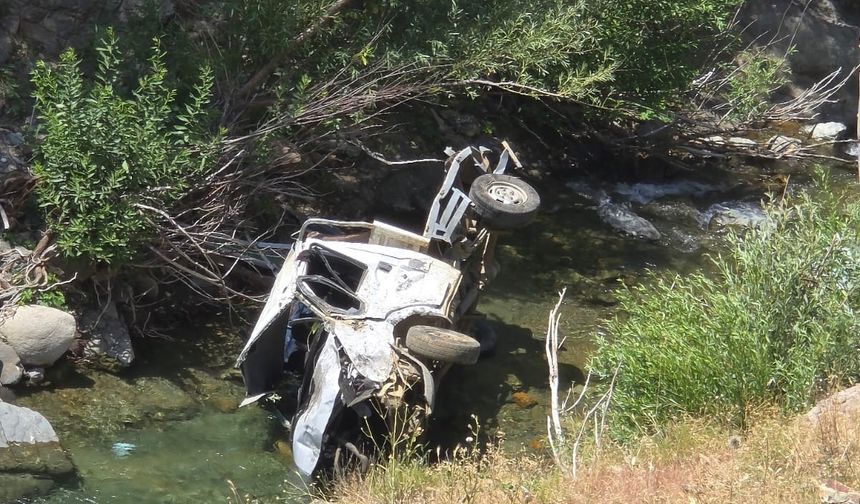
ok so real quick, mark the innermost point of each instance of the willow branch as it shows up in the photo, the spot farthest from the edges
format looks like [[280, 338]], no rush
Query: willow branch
[[263, 73]]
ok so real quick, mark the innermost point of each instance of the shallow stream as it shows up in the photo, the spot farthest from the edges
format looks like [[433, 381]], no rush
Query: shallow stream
[[169, 430]]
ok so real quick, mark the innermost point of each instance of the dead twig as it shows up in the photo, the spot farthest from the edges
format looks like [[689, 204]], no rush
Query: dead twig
[[595, 418]]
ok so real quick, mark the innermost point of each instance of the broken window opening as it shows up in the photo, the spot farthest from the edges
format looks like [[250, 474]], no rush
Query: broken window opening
[[342, 270], [333, 297]]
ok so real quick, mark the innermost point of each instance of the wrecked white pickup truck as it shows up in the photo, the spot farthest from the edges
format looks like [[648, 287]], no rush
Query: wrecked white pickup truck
[[368, 317]]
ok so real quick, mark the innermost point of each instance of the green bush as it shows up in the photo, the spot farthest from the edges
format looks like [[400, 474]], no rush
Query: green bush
[[103, 152], [777, 324], [639, 51], [753, 81]]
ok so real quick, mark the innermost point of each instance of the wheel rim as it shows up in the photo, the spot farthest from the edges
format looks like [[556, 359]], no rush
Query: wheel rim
[[507, 193]]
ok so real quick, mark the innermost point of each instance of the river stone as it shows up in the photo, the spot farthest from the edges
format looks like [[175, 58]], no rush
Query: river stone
[[851, 149], [23, 426], [10, 365], [623, 219], [39, 334], [111, 403], [781, 144], [6, 395], [825, 131], [843, 403], [15, 486], [109, 335], [739, 214], [681, 212], [31, 459], [742, 142]]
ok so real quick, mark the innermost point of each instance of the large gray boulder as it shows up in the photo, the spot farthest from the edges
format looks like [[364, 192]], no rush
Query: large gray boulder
[[19, 426], [10, 365], [39, 334], [31, 459], [824, 36]]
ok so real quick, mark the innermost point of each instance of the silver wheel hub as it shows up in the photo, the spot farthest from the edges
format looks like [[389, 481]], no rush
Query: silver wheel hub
[[506, 193]]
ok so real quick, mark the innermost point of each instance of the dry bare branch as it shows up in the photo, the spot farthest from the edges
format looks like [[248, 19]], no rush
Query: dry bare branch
[[595, 418], [555, 431]]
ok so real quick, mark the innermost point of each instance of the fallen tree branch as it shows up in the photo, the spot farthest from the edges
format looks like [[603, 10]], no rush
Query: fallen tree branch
[[22, 270], [379, 157], [555, 431]]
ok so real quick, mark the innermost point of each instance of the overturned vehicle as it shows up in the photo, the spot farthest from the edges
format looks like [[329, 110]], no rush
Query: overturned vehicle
[[366, 318]]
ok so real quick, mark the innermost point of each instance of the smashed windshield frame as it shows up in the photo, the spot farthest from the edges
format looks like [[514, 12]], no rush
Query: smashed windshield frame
[[331, 281]]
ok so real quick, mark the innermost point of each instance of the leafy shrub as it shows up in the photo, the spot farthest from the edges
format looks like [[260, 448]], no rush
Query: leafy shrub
[[104, 153], [778, 323], [593, 50], [53, 297], [750, 86]]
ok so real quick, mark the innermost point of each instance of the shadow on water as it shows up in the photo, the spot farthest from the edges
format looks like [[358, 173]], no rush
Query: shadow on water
[[496, 386]]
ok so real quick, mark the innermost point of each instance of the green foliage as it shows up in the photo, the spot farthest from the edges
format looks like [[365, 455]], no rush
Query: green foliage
[[8, 88], [777, 324], [52, 297], [756, 77], [104, 153], [659, 45], [629, 51]]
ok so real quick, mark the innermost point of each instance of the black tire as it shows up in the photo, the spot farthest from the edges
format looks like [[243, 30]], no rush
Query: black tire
[[442, 345], [503, 201]]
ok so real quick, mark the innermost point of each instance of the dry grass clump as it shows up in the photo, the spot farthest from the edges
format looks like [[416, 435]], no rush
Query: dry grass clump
[[776, 460], [466, 477]]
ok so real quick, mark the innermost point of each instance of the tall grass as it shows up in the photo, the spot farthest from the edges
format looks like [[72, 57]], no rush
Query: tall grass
[[777, 323]]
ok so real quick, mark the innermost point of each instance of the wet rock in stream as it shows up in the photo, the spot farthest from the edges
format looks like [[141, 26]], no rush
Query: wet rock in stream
[[621, 218], [109, 338], [10, 365], [6, 395], [31, 459], [781, 144], [103, 403], [223, 395], [738, 214], [677, 211]]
